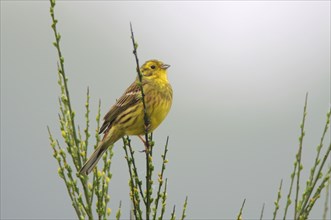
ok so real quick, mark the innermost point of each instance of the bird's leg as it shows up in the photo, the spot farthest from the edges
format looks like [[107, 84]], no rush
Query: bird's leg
[[147, 127], [147, 130], [142, 139]]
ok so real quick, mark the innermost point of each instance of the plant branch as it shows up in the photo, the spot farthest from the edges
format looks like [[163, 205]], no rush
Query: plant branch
[[298, 157], [262, 211], [239, 217], [132, 183], [296, 163], [278, 199], [327, 198], [57, 155], [147, 124], [160, 180], [313, 179], [67, 101], [86, 130], [184, 209]]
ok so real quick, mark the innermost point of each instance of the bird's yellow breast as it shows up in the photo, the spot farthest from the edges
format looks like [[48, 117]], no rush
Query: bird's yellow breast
[[158, 113], [158, 100]]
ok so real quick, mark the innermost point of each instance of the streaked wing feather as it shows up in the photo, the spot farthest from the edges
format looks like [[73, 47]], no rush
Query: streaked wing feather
[[130, 97]]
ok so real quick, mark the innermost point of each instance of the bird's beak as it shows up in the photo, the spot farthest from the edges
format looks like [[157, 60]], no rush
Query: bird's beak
[[165, 66]]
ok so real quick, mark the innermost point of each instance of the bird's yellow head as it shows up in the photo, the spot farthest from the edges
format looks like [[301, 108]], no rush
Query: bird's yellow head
[[155, 69]]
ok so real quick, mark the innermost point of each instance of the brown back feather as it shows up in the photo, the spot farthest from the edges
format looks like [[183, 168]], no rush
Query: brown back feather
[[129, 98]]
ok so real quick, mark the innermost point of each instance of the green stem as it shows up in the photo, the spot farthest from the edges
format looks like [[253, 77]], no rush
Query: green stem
[[184, 209], [164, 198], [313, 180], [135, 171], [140, 77], [327, 198], [97, 138], [173, 216], [278, 199], [318, 176], [316, 195], [299, 168], [164, 161], [134, 197], [288, 202], [71, 194], [87, 135], [147, 123], [62, 72], [239, 217], [262, 211], [118, 213]]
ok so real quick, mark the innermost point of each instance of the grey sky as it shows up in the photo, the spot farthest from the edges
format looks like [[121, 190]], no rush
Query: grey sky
[[239, 71]]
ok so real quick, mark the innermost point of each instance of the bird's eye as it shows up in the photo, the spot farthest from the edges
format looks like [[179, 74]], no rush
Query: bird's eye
[[153, 67]]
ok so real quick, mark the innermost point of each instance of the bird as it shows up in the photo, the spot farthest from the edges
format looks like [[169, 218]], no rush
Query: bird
[[126, 116]]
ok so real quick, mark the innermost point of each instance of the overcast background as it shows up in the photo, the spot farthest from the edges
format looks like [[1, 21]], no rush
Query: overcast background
[[239, 71]]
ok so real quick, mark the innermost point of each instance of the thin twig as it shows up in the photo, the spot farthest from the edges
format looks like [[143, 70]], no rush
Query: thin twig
[[239, 217], [62, 71], [97, 138], [68, 103], [134, 197], [279, 195], [134, 168], [173, 216], [140, 77], [289, 201], [184, 209], [118, 213], [298, 157], [317, 194], [86, 130], [313, 179], [327, 198], [61, 173], [164, 198], [308, 207], [158, 195], [147, 124], [262, 212]]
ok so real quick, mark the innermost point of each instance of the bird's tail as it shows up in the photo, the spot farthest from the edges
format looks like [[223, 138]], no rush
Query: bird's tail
[[108, 140], [93, 160]]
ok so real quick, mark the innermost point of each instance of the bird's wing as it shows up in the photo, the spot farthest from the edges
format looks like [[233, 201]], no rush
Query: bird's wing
[[131, 96]]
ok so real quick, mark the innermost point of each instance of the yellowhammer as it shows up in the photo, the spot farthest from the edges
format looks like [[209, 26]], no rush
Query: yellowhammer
[[126, 116]]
